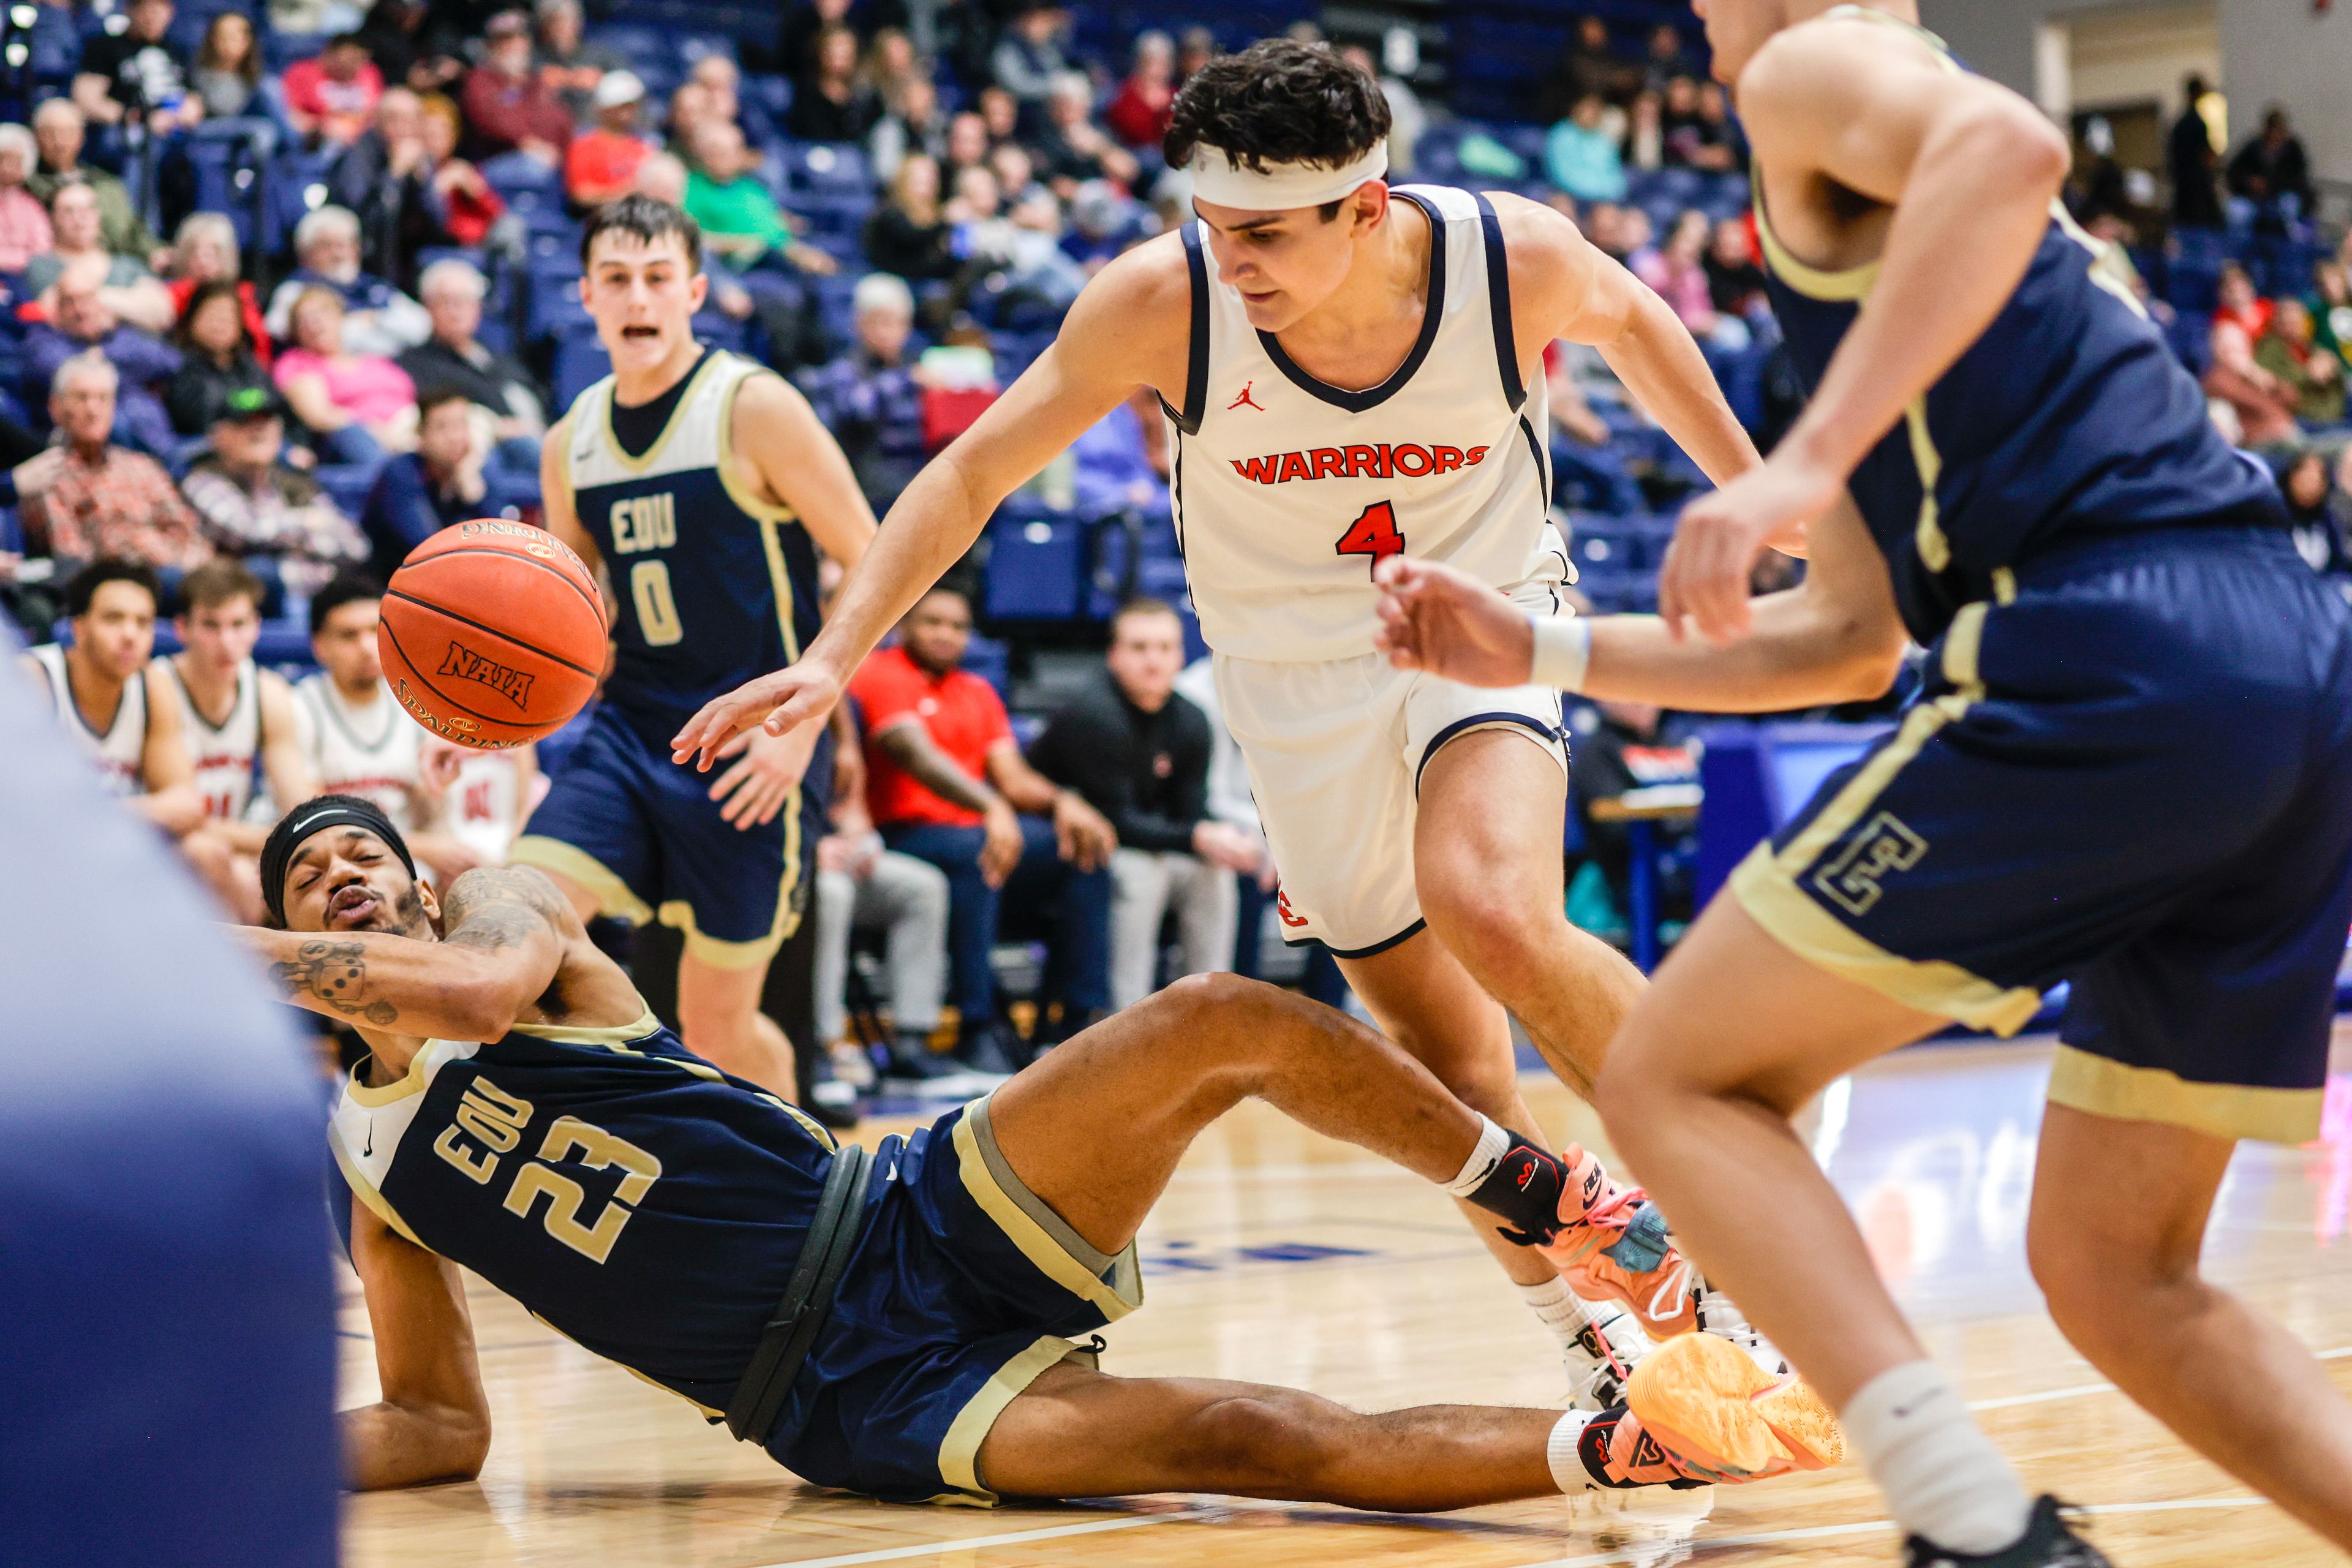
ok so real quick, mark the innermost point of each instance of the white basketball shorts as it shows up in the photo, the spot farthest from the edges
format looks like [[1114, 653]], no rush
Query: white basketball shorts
[[1335, 750]]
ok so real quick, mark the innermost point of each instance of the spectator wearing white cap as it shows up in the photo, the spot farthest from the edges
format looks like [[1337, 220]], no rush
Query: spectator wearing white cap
[[601, 163], [871, 398]]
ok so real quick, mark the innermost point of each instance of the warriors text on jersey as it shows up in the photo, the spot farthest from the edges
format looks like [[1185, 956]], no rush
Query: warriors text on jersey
[[629, 1193], [120, 754], [1287, 492], [223, 754], [374, 753], [2069, 418], [715, 585]]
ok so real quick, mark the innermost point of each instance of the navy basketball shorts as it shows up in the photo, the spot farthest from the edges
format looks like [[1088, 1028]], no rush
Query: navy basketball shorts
[[963, 1289], [2131, 771], [642, 833]]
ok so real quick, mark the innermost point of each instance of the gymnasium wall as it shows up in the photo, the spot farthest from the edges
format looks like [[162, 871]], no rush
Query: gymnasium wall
[[2278, 51]]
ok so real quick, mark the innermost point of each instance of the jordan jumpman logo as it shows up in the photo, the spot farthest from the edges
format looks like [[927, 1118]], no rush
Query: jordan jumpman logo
[[1245, 400]]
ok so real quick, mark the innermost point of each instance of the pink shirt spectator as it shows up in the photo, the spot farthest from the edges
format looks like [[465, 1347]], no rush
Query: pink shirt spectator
[[1684, 289], [342, 109], [25, 230], [370, 389]]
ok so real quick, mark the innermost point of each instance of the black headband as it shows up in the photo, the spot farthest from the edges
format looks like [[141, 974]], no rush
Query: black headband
[[312, 817]]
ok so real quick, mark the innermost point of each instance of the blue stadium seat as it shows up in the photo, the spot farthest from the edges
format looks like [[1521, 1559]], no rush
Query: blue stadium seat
[[580, 364], [1036, 566]]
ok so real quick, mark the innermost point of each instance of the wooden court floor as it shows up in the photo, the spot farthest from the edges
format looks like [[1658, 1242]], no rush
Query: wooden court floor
[[1282, 1258]]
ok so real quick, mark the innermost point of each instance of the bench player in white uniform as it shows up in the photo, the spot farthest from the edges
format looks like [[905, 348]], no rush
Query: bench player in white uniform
[[487, 796], [1349, 372], [356, 739], [238, 721]]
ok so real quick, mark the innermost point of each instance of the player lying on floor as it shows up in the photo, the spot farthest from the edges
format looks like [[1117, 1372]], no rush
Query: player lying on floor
[[523, 1114]]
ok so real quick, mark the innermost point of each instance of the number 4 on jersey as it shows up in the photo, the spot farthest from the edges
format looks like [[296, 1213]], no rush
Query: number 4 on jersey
[[1373, 533]]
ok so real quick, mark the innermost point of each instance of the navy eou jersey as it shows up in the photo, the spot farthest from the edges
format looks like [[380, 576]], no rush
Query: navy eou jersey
[[629, 1193], [716, 586], [2069, 418]]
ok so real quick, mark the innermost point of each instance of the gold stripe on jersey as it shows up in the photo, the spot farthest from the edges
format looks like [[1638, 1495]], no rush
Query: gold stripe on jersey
[[612, 443]]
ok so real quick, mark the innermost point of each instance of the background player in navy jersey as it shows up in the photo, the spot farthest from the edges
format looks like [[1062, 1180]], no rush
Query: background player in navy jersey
[[2130, 768], [705, 486], [523, 1115]]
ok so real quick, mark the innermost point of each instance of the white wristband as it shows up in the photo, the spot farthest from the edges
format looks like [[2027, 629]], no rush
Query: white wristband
[[1563, 650]]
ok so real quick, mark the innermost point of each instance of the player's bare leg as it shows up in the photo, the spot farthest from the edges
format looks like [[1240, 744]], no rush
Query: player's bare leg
[[2118, 1220], [732, 1035], [1487, 865], [1096, 1128], [720, 1019]]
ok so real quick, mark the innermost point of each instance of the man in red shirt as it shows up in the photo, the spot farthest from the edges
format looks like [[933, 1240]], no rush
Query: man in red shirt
[[507, 107], [948, 784], [601, 166], [334, 94]]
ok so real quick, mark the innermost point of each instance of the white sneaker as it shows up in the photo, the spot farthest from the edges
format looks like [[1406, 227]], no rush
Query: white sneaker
[[1603, 1356], [1719, 1315]]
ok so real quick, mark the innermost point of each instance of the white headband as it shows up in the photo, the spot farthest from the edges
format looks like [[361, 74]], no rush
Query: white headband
[[1218, 178]]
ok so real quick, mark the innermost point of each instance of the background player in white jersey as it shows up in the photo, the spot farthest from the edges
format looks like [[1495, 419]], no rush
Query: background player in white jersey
[[356, 739], [1349, 372], [486, 796], [236, 720]]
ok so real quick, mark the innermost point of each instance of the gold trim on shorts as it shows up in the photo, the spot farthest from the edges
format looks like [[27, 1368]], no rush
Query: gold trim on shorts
[[2099, 1087]]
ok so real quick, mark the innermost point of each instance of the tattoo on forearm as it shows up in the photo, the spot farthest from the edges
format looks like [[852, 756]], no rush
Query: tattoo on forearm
[[335, 973], [915, 751]]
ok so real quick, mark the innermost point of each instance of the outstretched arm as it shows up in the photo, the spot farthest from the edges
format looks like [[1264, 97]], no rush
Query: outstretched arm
[[1129, 328], [432, 1423], [1969, 170], [505, 940]]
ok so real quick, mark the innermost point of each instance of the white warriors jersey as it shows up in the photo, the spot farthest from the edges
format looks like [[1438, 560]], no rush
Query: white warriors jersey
[[223, 755], [481, 807], [1286, 492], [120, 752], [374, 753]]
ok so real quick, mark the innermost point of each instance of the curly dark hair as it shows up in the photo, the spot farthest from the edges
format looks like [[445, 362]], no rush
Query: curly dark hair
[[1279, 101]]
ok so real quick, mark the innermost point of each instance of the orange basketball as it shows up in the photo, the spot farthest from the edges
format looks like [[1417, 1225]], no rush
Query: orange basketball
[[493, 633]]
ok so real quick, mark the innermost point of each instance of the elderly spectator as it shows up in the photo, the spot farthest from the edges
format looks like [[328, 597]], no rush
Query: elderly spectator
[[600, 164], [507, 107], [909, 234], [80, 319], [829, 104], [57, 132], [205, 251], [1581, 158], [25, 231], [914, 124], [102, 499], [870, 398], [1139, 112], [361, 404], [378, 318], [2312, 376], [2271, 169], [453, 358], [331, 96], [130, 291], [722, 87], [1029, 57], [1071, 149], [217, 362], [947, 783], [384, 178], [464, 204], [568, 64], [740, 221], [137, 71], [420, 493], [1139, 754], [252, 503], [227, 72]]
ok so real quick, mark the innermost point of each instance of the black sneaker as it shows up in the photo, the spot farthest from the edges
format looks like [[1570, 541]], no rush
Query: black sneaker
[[2047, 1542]]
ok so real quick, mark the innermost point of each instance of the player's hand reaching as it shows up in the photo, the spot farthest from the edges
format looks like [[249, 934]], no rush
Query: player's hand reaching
[[1705, 580], [1448, 622], [793, 698], [766, 768]]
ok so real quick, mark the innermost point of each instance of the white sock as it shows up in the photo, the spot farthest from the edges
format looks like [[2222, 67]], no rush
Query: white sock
[[1942, 1477], [1492, 1146], [1567, 1471], [1558, 1308]]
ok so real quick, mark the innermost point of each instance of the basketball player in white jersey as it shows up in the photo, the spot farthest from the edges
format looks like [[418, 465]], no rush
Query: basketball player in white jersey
[[486, 796], [354, 738], [105, 696], [236, 719], [1349, 372]]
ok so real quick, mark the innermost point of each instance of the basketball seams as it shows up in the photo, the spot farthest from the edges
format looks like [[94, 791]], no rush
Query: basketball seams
[[594, 600], [500, 632]]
